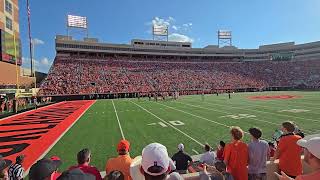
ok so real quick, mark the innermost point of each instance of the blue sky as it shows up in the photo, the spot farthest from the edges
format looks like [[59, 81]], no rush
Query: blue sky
[[253, 22]]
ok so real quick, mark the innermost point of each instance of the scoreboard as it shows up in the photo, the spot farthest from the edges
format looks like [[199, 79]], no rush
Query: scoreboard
[[7, 48]]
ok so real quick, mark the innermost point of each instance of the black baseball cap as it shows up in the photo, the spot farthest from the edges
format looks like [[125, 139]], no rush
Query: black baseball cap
[[42, 169], [76, 174], [20, 158]]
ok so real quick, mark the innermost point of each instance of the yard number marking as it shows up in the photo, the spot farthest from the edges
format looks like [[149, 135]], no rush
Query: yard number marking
[[174, 123], [239, 116]]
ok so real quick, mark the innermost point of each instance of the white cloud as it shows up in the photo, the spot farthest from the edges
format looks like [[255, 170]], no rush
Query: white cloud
[[175, 27], [43, 65], [45, 61], [171, 19], [180, 38], [187, 25], [160, 22], [179, 29], [37, 41], [157, 21]]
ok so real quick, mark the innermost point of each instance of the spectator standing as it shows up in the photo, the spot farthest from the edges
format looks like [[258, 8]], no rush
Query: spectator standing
[[288, 152], [272, 149], [220, 150], [258, 155], [221, 167], [16, 171], [236, 155], [311, 157], [44, 169], [4, 163], [76, 174], [122, 162], [84, 158], [182, 160], [208, 157], [57, 161]]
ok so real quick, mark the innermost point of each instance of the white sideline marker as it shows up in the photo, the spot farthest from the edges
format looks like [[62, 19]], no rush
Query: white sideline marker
[[165, 122], [115, 111]]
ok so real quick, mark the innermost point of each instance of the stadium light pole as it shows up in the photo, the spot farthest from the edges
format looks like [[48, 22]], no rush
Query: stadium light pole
[[33, 62], [30, 40]]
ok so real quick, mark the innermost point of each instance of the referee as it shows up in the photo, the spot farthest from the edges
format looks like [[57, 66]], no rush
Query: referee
[[16, 171]]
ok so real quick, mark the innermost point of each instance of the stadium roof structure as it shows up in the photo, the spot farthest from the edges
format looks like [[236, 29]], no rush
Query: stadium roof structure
[[65, 44]]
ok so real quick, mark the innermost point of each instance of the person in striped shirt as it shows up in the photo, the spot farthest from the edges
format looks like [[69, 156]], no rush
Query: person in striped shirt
[[16, 171]]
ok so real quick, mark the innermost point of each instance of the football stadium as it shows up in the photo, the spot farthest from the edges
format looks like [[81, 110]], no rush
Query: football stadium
[[156, 107]]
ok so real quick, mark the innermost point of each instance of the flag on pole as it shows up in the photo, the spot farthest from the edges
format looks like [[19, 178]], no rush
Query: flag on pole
[[28, 8]]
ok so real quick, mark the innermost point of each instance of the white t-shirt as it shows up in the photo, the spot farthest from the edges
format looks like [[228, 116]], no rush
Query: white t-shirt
[[208, 158]]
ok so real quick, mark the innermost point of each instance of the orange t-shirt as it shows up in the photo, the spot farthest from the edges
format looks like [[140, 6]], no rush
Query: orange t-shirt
[[236, 157], [290, 155], [312, 176], [120, 163]]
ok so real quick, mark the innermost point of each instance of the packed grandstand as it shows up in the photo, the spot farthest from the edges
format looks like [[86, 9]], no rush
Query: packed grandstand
[[120, 111], [99, 68]]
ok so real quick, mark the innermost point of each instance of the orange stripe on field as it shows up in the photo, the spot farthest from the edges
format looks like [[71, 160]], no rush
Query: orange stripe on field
[[36, 131]]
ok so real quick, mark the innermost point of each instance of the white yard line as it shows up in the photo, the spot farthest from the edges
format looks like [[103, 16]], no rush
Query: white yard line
[[115, 111], [296, 106], [288, 105], [242, 109], [248, 109], [195, 151], [193, 139], [221, 124], [211, 109], [273, 102], [278, 124]]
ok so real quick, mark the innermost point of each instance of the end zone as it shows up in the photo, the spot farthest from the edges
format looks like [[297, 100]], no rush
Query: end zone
[[33, 133]]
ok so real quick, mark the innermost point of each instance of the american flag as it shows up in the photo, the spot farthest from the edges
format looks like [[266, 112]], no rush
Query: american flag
[[28, 8]]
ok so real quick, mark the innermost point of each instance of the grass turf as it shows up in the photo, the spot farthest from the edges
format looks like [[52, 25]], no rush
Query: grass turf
[[205, 121]]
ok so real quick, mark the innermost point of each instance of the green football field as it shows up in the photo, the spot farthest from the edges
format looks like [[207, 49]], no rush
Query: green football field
[[189, 120]]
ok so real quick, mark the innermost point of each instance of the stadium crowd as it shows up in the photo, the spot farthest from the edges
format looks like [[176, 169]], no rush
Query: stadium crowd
[[235, 160], [127, 75]]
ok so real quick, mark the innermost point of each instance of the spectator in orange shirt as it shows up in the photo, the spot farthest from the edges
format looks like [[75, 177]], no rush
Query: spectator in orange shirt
[[122, 162], [311, 157], [288, 152], [236, 155]]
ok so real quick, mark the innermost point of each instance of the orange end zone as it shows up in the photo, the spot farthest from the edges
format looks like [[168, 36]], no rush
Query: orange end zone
[[273, 97], [34, 132]]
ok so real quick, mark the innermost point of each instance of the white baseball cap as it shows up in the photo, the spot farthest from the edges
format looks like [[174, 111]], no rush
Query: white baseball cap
[[155, 154], [180, 147], [312, 144]]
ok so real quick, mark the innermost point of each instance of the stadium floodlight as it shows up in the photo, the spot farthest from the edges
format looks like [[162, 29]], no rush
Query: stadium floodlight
[[224, 37], [78, 24], [77, 21], [160, 31]]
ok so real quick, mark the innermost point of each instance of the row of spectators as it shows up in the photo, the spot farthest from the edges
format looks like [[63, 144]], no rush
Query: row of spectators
[[236, 160], [87, 76], [7, 103]]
